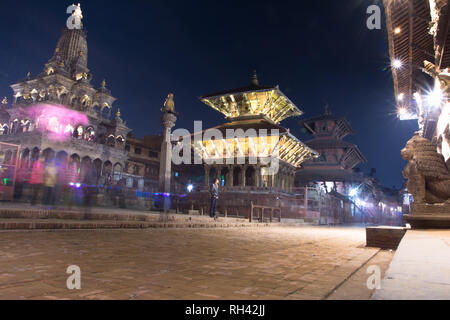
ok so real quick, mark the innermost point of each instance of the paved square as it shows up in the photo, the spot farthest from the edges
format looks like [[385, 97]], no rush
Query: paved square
[[270, 263]]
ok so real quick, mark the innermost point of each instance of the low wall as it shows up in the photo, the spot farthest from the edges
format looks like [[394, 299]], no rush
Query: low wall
[[385, 237]]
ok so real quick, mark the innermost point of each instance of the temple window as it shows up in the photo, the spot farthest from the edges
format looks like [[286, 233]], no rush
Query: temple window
[[120, 140], [85, 101], [138, 151], [53, 125], [111, 141], [4, 129], [25, 124], [90, 134], [68, 129], [105, 112], [78, 133]]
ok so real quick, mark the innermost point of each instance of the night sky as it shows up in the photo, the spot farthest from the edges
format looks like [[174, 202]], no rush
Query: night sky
[[316, 51]]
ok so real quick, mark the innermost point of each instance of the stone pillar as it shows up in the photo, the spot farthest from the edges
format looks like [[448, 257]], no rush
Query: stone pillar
[[207, 169], [230, 176], [257, 176], [165, 172], [219, 173]]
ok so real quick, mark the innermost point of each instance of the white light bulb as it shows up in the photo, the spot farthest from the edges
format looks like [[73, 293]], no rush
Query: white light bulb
[[397, 64]]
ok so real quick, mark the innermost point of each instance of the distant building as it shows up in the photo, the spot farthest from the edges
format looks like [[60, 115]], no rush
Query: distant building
[[142, 167], [334, 168]]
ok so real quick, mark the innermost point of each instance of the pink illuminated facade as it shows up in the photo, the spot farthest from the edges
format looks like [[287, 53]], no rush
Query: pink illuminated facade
[[58, 114]]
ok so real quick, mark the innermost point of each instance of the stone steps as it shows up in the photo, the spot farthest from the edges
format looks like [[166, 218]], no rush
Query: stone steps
[[56, 224], [59, 219]]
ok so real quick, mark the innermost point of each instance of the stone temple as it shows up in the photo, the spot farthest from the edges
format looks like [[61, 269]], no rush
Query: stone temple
[[59, 113]]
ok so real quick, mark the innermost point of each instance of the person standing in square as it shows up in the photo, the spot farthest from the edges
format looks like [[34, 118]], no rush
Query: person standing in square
[[214, 191]]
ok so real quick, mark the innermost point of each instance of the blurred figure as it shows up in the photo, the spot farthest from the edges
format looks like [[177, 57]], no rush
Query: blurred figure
[[21, 180], [37, 179], [50, 179], [72, 179], [90, 188], [61, 181]]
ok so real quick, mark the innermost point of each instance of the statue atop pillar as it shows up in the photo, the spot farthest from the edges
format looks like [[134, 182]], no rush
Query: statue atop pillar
[[168, 120], [169, 105]]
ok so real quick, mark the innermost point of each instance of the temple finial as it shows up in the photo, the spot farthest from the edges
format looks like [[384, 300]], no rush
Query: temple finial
[[103, 83], [118, 114], [5, 100], [327, 109], [28, 74], [255, 80]]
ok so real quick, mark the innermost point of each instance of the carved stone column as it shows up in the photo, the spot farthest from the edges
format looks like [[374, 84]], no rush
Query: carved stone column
[[243, 171], [257, 176], [207, 169], [230, 176], [165, 173]]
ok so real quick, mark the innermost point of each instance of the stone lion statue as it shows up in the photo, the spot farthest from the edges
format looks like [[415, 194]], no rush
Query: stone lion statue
[[169, 105], [427, 174]]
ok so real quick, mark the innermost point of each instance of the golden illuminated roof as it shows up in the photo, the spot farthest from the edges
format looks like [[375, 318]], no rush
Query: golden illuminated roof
[[253, 100], [279, 143]]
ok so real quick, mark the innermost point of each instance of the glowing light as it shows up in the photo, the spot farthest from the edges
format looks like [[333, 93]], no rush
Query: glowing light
[[69, 129], [353, 192], [401, 96], [397, 64], [435, 97], [397, 30], [360, 203], [402, 111], [190, 188], [56, 120], [329, 185]]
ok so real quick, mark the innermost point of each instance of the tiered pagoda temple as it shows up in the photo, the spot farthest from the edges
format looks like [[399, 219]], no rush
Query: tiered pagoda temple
[[254, 108], [334, 168]]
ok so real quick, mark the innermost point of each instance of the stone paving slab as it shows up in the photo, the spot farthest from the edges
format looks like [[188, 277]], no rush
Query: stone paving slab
[[182, 264], [420, 269]]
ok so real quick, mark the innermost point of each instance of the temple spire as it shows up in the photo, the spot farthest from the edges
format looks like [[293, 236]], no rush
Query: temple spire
[[255, 80], [327, 110]]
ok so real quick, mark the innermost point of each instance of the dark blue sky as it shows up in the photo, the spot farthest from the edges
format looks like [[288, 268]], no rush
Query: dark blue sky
[[316, 51]]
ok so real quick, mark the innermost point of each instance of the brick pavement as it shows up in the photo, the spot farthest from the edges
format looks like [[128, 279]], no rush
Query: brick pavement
[[268, 263]]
